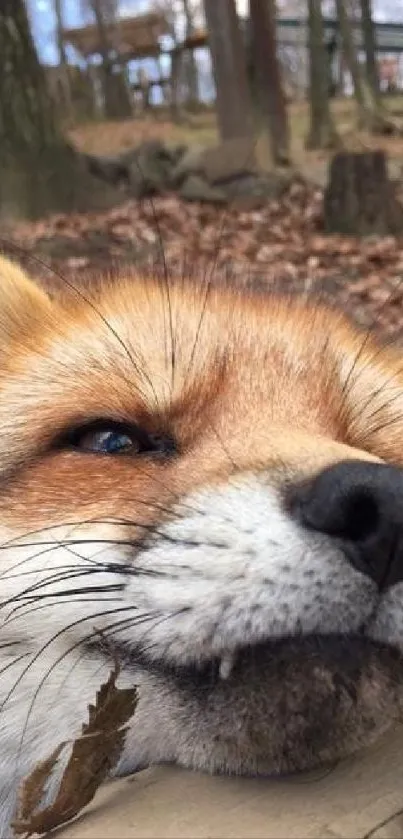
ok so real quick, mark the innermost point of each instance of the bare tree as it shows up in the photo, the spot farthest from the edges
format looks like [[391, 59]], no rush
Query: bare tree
[[58, 6], [169, 11], [368, 31], [184, 76], [270, 88], [190, 62], [234, 108], [63, 63], [370, 111], [322, 132], [115, 90], [39, 172]]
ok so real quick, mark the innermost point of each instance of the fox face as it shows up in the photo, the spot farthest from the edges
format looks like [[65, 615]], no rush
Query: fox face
[[205, 484]]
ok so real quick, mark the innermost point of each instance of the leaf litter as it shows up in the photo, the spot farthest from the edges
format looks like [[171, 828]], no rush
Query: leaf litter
[[280, 245]]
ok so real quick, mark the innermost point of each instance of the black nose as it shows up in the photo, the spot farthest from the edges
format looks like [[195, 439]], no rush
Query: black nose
[[361, 505]]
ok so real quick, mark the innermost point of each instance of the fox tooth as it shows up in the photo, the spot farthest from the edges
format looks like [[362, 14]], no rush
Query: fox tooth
[[226, 665]]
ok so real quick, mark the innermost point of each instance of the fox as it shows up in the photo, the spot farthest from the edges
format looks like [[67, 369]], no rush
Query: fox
[[207, 483]]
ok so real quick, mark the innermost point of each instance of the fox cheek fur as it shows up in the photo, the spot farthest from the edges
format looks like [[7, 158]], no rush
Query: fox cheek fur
[[214, 498]]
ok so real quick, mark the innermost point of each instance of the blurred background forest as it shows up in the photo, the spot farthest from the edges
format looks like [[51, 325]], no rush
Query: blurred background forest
[[263, 135]]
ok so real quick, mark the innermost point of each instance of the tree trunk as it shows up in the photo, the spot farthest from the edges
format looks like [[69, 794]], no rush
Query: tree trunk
[[117, 102], [368, 31], [271, 94], [39, 172], [190, 61], [234, 110], [322, 132], [360, 199], [370, 111], [59, 33], [66, 105], [176, 68]]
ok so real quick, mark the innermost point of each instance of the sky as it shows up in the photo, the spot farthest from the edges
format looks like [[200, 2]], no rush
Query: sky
[[43, 22]]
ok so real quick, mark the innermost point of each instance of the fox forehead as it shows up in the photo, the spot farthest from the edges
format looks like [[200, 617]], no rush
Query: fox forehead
[[140, 326], [185, 354], [141, 351]]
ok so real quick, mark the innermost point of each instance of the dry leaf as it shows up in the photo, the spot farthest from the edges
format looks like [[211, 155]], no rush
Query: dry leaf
[[93, 756]]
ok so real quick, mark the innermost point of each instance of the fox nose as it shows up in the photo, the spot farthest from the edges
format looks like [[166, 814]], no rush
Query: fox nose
[[360, 505]]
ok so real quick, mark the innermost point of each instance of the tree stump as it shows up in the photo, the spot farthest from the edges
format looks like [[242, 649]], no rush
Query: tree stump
[[360, 199]]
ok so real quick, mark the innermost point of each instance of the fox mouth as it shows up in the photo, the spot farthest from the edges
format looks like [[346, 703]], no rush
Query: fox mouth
[[296, 704], [282, 706], [345, 655]]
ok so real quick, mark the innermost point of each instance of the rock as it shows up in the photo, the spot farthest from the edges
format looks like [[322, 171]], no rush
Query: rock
[[146, 149], [143, 170], [264, 186], [227, 172], [138, 184], [109, 169], [177, 152], [196, 188], [231, 159], [149, 168], [189, 163]]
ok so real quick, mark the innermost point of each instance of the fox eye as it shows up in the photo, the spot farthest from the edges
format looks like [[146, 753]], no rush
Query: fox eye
[[107, 441], [113, 438]]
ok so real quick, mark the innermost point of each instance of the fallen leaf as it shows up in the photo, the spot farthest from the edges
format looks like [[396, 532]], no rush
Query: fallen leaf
[[93, 756]]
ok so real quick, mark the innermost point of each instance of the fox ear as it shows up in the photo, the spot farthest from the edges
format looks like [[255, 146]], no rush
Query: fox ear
[[22, 302]]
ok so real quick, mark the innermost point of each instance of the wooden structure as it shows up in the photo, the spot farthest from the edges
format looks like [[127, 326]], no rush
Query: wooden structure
[[129, 38], [125, 39], [294, 32], [198, 38], [141, 37]]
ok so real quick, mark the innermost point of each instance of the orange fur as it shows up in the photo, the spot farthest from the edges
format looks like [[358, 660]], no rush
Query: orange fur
[[258, 643], [255, 381]]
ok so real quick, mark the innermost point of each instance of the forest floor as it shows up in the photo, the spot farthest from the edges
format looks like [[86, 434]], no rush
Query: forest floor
[[281, 246]]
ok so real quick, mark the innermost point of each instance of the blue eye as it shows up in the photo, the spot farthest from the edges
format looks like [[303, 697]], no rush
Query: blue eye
[[115, 438], [108, 442]]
